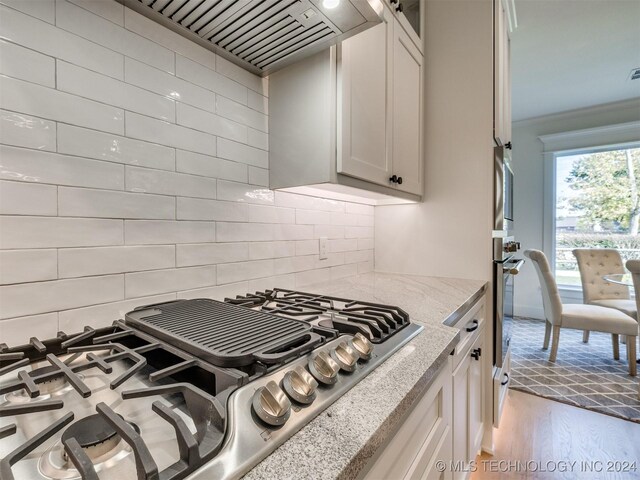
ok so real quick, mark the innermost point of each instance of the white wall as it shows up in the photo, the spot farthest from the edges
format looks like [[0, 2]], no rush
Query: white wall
[[529, 185], [449, 234], [134, 165]]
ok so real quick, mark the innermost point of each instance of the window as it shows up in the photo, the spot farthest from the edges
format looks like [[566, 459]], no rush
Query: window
[[597, 204]]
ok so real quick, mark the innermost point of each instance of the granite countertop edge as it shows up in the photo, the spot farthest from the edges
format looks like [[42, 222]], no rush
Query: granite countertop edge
[[356, 435]]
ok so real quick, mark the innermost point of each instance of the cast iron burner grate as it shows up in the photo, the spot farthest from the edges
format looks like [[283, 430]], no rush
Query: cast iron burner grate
[[376, 321]]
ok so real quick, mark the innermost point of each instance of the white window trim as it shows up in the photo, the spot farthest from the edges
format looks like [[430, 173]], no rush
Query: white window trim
[[590, 140]]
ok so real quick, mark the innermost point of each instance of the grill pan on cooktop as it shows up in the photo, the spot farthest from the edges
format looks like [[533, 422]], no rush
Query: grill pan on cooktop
[[223, 334]]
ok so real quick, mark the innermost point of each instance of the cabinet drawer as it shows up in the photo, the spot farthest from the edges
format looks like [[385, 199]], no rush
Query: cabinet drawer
[[413, 448], [471, 326]]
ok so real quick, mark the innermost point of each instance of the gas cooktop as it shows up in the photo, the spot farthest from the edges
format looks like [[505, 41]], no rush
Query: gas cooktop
[[194, 389]]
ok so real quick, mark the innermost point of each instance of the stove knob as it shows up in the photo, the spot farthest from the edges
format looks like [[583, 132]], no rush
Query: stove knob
[[345, 356], [300, 385], [362, 345], [271, 404], [324, 368]]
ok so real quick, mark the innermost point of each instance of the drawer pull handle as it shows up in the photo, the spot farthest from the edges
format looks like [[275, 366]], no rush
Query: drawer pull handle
[[474, 326], [506, 379], [476, 354]]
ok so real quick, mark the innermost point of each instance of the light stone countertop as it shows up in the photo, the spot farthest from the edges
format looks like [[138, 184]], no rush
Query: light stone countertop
[[339, 442]]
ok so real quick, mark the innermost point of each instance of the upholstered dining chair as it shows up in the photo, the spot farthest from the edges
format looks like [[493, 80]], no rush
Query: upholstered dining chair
[[578, 316], [634, 267], [593, 264]]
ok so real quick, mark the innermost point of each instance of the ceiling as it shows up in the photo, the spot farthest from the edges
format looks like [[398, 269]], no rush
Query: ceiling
[[570, 54]]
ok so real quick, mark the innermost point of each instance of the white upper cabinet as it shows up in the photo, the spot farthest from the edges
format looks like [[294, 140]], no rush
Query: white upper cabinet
[[407, 113], [365, 136], [352, 117], [503, 25], [410, 14]]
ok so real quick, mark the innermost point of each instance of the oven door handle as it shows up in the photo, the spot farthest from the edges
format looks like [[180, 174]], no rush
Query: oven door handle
[[513, 268]]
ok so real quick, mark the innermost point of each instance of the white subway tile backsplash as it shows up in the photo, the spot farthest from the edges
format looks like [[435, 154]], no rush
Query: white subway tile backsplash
[[153, 31], [358, 232], [307, 247], [258, 176], [18, 266], [88, 84], [99, 30], [82, 262], [240, 192], [200, 75], [281, 281], [248, 79], [150, 78], [267, 214], [219, 292], [146, 232], [343, 271], [286, 199], [32, 99], [236, 272], [241, 114], [113, 148], [42, 37], [244, 232], [304, 279], [157, 131], [42, 9], [142, 284], [263, 250], [111, 10], [208, 166], [211, 253], [20, 198], [208, 122], [95, 316], [257, 139], [25, 64], [88, 202], [258, 102], [202, 209], [28, 165], [42, 297], [124, 184], [23, 130], [313, 217], [292, 232], [148, 180], [48, 232], [18, 331], [242, 153]]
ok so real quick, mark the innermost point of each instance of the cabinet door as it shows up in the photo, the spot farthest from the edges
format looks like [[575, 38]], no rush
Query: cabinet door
[[502, 70], [364, 142], [476, 398], [461, 392], [407, 112]]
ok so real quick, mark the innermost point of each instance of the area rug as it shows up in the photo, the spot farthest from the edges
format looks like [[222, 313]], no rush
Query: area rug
[[585, 374]]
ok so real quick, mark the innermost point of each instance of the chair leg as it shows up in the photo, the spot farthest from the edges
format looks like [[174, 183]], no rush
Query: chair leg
[[554, 343], [616, 346], [547, 335], [585, 336], [631, 349]]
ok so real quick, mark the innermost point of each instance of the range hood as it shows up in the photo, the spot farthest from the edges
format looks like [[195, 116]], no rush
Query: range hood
[[262, 36]]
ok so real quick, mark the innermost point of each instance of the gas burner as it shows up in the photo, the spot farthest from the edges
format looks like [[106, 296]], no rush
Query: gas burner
[[97, 438], [52, 386], [94, 435]]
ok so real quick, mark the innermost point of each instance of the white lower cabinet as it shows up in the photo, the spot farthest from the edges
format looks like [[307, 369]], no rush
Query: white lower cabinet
[[443, 433], [423, 440]]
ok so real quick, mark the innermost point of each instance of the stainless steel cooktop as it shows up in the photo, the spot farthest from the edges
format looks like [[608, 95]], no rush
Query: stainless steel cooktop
[[128, 402]]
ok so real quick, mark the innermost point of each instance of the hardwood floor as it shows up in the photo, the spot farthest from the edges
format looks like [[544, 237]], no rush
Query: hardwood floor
[[534, 431]]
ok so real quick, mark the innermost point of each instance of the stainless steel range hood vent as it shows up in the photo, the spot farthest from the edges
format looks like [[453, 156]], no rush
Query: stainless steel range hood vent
[[262, 36]]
